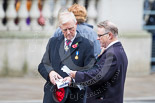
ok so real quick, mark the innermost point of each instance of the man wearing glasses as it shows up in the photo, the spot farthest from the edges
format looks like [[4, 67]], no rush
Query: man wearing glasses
[[107, 77], [70, 49]]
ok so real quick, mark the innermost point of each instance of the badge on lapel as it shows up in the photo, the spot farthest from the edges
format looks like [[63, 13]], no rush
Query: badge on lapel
[[66, 48], [77, 53], [75, 45]]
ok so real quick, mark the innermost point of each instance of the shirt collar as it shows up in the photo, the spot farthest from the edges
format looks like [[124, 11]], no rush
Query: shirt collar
[[112, 43]]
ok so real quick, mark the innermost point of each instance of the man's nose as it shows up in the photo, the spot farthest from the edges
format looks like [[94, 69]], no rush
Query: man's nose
[[68, 31]]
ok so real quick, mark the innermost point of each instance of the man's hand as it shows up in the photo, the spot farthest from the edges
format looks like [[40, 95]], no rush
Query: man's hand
[[54, 76], [69, 79], [73, 73]]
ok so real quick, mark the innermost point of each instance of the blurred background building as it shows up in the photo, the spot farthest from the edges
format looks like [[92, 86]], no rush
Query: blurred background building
[[26, 26]]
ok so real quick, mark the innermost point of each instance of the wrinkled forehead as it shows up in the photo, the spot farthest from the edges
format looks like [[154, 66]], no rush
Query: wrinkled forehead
[[68, 24]]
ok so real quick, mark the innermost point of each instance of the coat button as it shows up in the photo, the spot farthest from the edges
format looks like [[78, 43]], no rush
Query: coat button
[[101, 98]]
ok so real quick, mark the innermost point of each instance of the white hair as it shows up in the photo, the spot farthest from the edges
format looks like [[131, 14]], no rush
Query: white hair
[[66, 16]]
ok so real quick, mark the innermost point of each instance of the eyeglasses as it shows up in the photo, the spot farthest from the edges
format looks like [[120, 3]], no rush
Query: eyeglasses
[[70, 29], [99, 35]]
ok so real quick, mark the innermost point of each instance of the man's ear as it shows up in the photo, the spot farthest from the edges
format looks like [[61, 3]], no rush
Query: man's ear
[[110, 36]]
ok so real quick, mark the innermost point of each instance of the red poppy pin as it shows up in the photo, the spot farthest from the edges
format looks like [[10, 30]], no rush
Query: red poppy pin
[[75, 45]]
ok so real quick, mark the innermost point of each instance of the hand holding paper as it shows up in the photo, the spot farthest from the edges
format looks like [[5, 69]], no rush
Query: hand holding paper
[[72, 74], [54, 76], [60, 83], [68, 71]]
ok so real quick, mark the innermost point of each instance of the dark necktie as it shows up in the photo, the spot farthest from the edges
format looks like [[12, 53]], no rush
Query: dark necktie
[[67, 45]]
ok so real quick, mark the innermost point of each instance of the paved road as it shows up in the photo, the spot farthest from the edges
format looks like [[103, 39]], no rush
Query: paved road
[[30, 90]]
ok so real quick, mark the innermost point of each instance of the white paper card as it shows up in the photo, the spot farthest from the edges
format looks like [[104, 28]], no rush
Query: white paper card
[[61, 84], [67, 70]]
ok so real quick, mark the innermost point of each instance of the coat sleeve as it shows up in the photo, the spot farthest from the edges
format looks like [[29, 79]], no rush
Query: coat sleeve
[[99, 72], [45, 66]]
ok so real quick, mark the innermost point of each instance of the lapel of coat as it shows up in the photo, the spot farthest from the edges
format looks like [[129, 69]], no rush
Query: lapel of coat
[[60, 47], [77, 39]]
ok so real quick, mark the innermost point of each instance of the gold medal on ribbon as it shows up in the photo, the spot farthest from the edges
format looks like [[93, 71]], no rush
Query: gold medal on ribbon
[[76, 57]]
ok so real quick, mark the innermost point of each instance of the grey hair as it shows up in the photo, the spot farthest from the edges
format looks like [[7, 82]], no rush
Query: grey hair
[[66, 16], [109, 27], [63, 9]]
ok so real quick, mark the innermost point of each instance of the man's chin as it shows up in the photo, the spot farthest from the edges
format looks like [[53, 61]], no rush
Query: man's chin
[[102, 46]]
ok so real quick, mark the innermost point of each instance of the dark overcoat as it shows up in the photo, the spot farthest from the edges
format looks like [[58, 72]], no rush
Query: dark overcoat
[[55, 58], [107, 77]]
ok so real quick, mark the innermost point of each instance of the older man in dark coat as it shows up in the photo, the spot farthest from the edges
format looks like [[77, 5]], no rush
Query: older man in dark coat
[[70, 49], [107, 77]]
